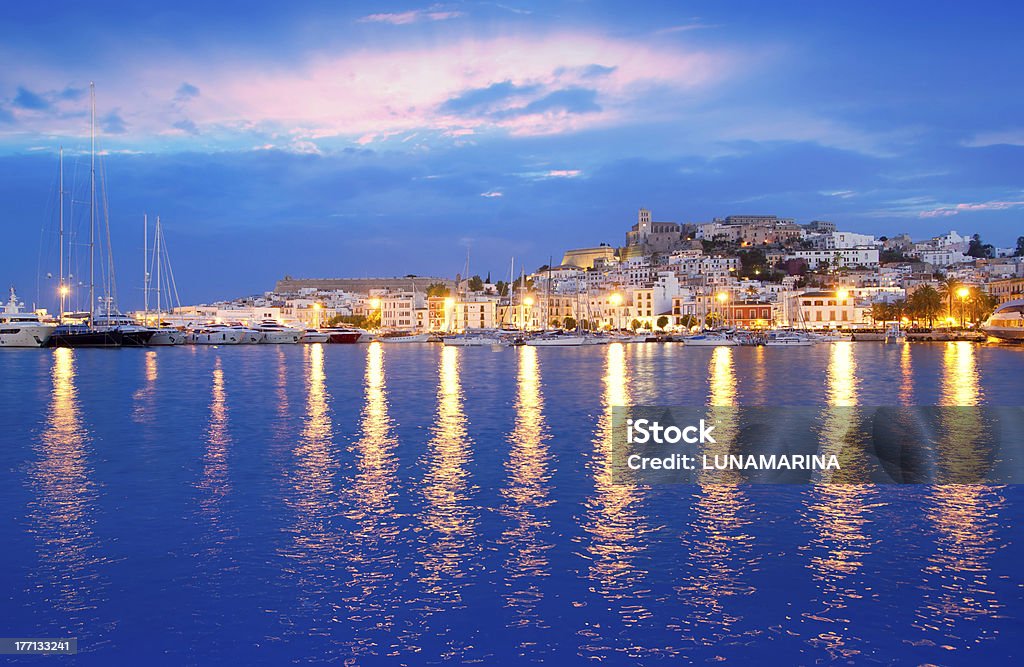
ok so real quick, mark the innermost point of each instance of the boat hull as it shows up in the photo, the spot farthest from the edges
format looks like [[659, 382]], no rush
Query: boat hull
[[710, 342], [37, 335], [415, 338], [344, 338], [87, 338], [166, 337], [566, 341], [1005, 333], [481, 341], [215, 338], [281, 337], [316, 337]]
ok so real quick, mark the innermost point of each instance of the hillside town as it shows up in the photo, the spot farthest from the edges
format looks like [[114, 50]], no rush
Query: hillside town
[[752, 272]]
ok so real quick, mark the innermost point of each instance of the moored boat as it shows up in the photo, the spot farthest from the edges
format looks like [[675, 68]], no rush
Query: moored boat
[[343, 336], [278, 334], [1007, 322], [215, 334], [404, 338], [19, 329], [710, 339], [315, 336]]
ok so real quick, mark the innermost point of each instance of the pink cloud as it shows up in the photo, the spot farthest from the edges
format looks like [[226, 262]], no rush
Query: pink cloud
[[373, 94], [492, 193], [564, 173]]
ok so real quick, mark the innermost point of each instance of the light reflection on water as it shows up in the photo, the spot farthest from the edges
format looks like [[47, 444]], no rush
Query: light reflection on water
[[840, 512], [391, 546], [526, 495], [957, 580], [614, 527], [448, 517], [62, 510], [373, 591], [718, 540], [310, 555]]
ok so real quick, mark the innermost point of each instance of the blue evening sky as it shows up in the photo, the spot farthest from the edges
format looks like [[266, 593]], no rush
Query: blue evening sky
[[383, 138]]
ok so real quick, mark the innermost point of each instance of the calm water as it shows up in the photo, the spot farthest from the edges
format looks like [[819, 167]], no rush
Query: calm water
[[418, 504]]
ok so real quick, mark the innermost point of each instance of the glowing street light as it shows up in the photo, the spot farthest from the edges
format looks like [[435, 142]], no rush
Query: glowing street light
[[722, 298], [528, 301], [616, 300], [963, 293], [843, 294], [375, 304]]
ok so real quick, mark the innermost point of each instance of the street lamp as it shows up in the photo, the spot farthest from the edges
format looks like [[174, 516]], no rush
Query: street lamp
[[316, 309], [449, 313], [616, 300], [528, 302], [722, 298], [963, 293]]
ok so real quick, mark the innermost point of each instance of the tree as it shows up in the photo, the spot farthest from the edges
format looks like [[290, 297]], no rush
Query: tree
[[569, 322], [880, 312], [980, 250], [688, 321], [502, 287], [476, 284], [556, 323], [947, 288], [635, 324], [926, 303], [662, 322], [585, 325], [1020, 247], [438, 289]]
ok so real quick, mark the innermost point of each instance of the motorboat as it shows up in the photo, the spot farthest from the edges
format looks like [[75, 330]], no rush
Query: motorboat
[[787, 340], [275, 333], [1007, 322], [315, 336], [341, 335], [710, 339], [481, 339], [215, 334], [405, 338], [19, 329], [167, 336]]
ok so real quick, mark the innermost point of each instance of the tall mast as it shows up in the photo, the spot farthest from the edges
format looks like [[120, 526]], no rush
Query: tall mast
[[145, 268], [158, 248], [60, 235], [92, 199]]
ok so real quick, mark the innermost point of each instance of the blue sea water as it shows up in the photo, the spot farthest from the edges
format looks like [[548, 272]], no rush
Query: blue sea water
[[413, 504]]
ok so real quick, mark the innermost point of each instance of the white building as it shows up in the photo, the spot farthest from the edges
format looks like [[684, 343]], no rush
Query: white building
[[838, 258]]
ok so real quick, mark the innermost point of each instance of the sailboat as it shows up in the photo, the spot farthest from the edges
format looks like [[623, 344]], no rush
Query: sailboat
[[157, 269], [103, 330]]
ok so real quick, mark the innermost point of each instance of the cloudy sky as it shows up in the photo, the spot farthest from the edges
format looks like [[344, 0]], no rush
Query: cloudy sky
[[325, 139]]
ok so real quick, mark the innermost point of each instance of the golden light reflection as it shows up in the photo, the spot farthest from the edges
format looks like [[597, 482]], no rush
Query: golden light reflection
[[64, 497], [446, 487], [145, 395], [613, 522], [527, 494], [839, 509], [906, 376], [960, 382], [372, 547], [214, 482], [718, 540]]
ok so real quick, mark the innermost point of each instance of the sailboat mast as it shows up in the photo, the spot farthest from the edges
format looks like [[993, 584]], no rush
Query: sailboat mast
[[158, 233], [60, 235], [92, 199], [145, 268]]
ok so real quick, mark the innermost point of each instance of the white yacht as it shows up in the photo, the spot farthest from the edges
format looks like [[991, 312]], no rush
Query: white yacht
[[787, 340], [167, 336], [18, 329], [215, 334], [278, 334], [1007, 322], [710, 339], [315, 336], [404, 338], [482, 339]]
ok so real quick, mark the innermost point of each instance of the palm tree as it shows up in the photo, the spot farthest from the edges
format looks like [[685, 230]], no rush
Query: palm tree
[[926, 302], [947, 288]]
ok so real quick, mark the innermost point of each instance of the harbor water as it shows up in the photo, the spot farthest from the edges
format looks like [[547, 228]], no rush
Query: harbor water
[[417, 504]]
